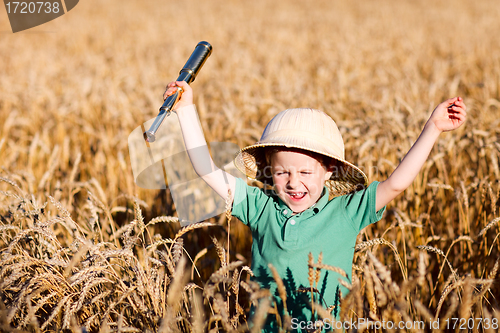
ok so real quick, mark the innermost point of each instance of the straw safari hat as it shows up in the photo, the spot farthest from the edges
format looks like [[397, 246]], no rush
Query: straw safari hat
[[308, 129]]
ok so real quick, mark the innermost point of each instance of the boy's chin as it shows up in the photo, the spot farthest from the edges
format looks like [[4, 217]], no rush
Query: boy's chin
[[299, 207]]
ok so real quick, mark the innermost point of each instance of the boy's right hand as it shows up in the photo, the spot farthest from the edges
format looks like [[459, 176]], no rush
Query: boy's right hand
[[186, 96]]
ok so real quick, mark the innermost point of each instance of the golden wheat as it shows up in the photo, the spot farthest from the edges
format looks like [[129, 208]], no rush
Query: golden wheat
[[81, 245]]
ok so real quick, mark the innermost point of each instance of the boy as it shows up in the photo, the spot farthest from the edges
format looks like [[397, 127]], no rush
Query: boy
[[301, 155]]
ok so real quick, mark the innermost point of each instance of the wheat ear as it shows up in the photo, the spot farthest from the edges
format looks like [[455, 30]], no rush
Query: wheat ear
[[311, 278], [192, 227], [441, 253], [377, 241], [489, 226], [174, 291], [260, 315], [282, 293]]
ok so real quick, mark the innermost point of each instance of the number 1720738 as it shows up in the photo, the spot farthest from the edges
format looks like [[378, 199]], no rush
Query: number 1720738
[[32, 7], [471, 323]]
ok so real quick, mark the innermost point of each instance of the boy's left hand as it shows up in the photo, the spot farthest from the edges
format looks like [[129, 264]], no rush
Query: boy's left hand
[[449, 115]]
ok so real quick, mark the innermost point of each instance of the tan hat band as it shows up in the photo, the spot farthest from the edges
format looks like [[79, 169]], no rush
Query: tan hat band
[[319, 141]]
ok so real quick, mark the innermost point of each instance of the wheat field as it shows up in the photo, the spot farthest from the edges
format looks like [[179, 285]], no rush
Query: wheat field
[[84, 249]]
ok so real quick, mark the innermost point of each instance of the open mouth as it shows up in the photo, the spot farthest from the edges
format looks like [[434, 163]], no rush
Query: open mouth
[[297, 195]]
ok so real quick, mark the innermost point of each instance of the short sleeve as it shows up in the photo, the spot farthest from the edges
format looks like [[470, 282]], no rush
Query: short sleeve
[[360, 207], [248, 203]]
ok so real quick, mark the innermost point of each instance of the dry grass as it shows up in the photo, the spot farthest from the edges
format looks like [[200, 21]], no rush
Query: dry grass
[[82, 246]]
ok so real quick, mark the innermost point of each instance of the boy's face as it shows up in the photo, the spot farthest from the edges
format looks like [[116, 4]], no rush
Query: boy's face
[[298, 179]]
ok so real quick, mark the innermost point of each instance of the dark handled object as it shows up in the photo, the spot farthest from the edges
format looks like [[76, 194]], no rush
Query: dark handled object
[[188, 73]]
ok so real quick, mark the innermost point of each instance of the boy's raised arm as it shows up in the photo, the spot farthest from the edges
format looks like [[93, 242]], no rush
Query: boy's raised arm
[[447, 116], [196, 145]]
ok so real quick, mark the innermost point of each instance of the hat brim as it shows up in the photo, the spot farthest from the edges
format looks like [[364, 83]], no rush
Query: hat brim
[[346, 177]]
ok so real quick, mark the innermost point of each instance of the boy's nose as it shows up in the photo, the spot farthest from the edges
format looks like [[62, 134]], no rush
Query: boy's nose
[[293, 180]]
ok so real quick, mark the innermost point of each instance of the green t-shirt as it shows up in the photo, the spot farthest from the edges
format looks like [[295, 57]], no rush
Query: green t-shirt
[[285, 240]]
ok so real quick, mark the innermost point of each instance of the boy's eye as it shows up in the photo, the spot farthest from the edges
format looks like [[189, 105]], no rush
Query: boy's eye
[[306, 172]]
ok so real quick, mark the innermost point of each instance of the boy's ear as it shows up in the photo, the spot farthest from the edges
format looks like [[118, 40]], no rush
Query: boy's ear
[[328, 174]]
